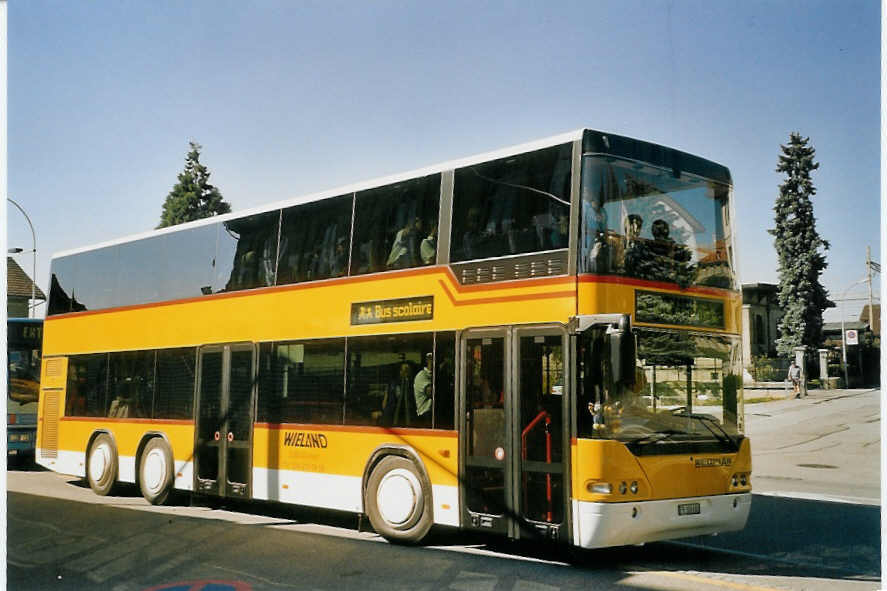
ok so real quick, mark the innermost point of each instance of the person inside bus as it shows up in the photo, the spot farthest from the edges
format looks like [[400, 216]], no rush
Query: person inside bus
[[673, 257], [339, 259], [120, 406], [75, 398], [594, 243], [395, 406], [422, 390], [636, 257], [428, 248], [403, 250], [472, 236]]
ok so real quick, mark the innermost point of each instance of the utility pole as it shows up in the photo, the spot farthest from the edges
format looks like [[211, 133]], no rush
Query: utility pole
[[868, 269]]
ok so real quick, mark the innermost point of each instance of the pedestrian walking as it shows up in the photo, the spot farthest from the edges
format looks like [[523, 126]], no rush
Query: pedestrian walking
[[794, 374]]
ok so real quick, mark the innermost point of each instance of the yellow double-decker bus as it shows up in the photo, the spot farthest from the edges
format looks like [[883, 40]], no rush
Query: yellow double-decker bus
[[542, 342]]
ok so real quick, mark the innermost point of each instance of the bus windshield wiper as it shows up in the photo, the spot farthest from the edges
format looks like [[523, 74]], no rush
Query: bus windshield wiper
[[655, 437], [708, 420]]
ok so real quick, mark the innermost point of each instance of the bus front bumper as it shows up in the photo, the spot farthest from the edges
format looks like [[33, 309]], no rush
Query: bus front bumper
[[601, 525]]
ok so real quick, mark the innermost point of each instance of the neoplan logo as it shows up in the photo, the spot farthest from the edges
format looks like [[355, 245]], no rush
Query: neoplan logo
[[713, 462]]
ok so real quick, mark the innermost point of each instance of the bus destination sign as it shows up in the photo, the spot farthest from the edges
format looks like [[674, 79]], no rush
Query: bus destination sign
[[401, 310]]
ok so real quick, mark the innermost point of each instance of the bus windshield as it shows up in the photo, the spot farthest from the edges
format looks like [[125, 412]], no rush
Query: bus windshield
[[650, 223], [687, 390], [23, 361]]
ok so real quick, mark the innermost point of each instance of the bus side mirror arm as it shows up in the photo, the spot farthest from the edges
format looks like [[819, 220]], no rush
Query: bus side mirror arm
[[622, 350]]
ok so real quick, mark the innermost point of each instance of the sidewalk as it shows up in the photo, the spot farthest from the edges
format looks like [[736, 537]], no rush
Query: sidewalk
[[825, 446]]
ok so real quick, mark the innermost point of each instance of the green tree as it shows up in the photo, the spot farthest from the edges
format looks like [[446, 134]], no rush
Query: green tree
[[800, 249], [193, 197]]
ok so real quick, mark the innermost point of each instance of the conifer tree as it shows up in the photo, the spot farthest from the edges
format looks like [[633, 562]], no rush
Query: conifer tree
[[193, 197], [800, 249]]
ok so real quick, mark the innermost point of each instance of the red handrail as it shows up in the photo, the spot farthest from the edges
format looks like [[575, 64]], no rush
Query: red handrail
[[542, 415]]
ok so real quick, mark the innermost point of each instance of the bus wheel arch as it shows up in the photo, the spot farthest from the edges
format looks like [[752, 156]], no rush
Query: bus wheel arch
[[397, 495], [102, 464], [155, 469]]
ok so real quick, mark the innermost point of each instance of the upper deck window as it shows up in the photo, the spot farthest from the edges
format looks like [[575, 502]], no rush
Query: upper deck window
[[515, 205], [395, 227], [651, 223], [247, 252], [315, 240]]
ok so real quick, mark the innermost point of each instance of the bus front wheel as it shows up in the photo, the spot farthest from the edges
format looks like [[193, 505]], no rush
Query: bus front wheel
[[156, 472], [396, 502], [101, 465]]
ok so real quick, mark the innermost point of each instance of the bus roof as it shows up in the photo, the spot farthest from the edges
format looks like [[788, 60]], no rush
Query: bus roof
[[576, 135]]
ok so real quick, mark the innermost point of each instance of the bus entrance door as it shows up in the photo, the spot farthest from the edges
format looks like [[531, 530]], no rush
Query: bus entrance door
[[223, 446], [539, 376], [513, 394], [486, 490]]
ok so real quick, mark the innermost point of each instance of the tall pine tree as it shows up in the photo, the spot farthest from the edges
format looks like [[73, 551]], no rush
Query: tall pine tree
[[800, 249], [193, 197]]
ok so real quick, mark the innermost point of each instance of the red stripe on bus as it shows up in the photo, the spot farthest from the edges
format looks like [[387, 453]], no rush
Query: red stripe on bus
[[132, 420], [503, 299], [619, 280], [357, 429], [255, 291]]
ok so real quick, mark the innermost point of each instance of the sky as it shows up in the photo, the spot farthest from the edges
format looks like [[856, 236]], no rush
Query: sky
[[289, 98]]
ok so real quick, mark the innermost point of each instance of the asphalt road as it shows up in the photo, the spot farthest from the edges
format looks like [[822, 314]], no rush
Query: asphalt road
[[61, 536]]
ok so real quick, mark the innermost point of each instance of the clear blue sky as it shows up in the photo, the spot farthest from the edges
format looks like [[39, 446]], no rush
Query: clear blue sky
[[289, 98]]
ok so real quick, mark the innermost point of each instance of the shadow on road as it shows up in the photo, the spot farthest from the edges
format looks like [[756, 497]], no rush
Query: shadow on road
[[841, 537], [785, 537], [23, 463]]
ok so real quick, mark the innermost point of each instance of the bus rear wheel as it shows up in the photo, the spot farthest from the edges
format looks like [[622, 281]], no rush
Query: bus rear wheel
[[101, 465], [156, 472], [396, 502]]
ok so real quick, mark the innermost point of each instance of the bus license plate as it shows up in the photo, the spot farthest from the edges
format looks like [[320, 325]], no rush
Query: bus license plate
[[689, 509]]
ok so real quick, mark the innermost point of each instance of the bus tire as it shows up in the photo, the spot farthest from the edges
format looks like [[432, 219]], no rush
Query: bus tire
[[156, 472], [101, 465], [395, 501]]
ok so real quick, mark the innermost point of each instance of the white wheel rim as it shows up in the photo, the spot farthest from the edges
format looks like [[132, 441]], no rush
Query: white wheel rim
[[398, 495], [99, 461], [154, 470]]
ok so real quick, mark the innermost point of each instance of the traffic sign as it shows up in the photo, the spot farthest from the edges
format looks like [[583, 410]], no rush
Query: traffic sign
[[851, 337]]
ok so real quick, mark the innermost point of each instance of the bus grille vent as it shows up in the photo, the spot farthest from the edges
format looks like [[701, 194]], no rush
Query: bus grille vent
[[518, 267], [49, 442], [54, 368]]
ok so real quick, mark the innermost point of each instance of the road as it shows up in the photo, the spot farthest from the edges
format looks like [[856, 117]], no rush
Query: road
[[61, 536], [825, 446]]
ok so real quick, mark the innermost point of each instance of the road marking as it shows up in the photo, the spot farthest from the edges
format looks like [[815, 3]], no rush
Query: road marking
[[111, 552], [54, 549], [469, 581], [135, 560], [819, 497], [167, 566], [716, 582], [531, 586]]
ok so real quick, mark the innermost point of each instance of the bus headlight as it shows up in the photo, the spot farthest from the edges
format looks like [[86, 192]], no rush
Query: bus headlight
[[634, 487], [735, 481], [599, 488], [622, 488], [743, 479]]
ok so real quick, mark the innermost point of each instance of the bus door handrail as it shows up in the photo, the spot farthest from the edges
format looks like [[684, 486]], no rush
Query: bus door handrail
[[523, 441]]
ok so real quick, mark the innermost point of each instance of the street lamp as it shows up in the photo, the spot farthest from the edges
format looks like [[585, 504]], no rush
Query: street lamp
[[33, 306], [843, 333]]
